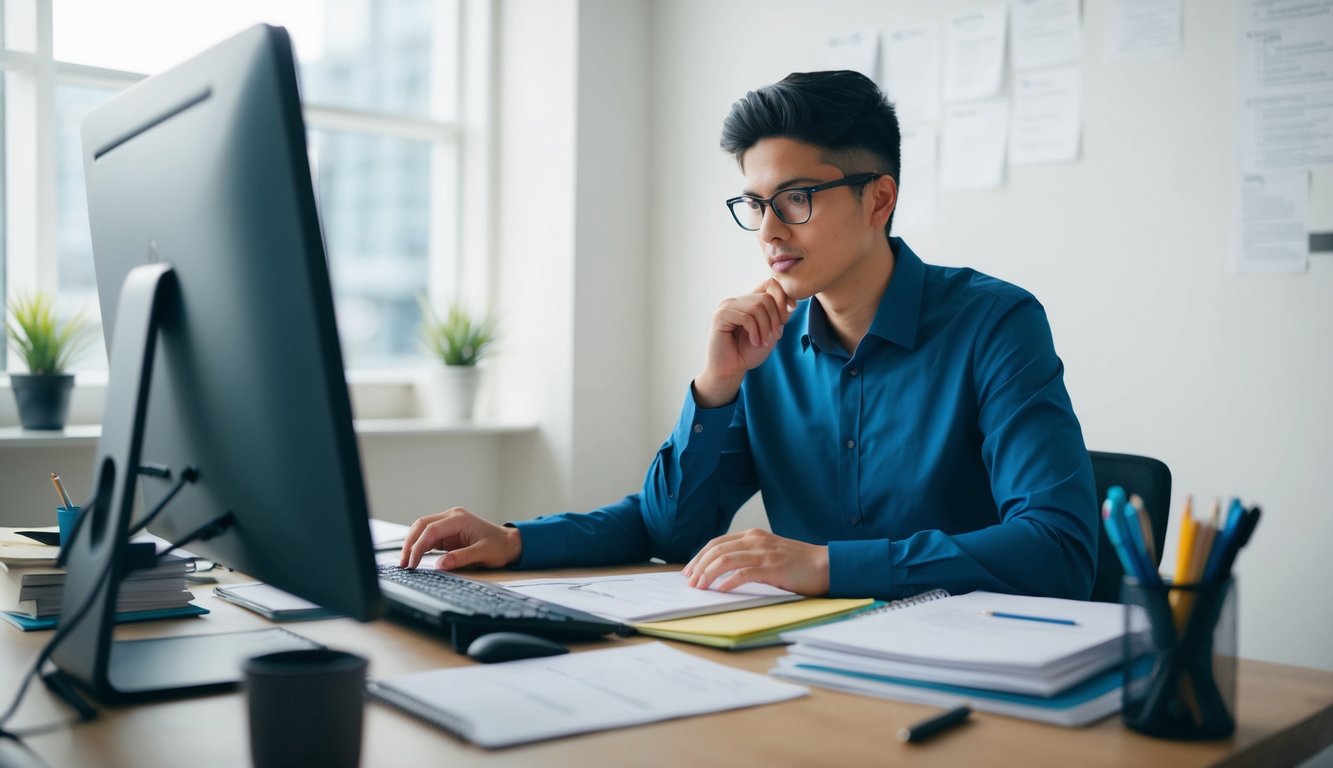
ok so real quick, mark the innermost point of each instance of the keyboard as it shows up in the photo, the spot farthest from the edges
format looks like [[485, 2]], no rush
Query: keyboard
[[466, 608]]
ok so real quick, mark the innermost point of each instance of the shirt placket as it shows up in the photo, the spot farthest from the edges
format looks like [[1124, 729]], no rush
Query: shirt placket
[[850, 394]]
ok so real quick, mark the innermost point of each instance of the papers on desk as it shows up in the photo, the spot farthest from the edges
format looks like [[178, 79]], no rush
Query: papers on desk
[[385, 535], [753, 627], [1041, 658], [639, 597], [272, 603], [16, 550], [497, 705]]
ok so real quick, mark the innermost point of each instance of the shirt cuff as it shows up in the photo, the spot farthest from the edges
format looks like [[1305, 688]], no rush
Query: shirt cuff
[[703, 428], [543, 544], [860, 568]]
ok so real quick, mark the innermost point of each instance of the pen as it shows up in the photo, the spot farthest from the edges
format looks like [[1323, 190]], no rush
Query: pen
[[931, 726], [60, 491], [1025, 617], [1113, 534], [1145, 526]]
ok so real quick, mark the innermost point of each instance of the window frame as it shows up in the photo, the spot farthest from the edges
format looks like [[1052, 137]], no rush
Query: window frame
[[29, 259]]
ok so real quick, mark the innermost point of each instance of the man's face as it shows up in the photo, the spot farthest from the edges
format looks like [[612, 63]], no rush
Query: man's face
[[822, 254]]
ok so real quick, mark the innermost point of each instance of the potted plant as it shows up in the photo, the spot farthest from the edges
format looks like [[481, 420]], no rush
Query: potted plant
[[459, 340], [47, 345]]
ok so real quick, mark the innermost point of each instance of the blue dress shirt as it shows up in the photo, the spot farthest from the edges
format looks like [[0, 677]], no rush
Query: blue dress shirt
[[942, 452]]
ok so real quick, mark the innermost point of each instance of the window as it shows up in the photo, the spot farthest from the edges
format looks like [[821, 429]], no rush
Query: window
[[382, 82]]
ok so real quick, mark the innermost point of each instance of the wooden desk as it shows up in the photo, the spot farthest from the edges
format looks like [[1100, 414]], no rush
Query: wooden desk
[[1285, 714]]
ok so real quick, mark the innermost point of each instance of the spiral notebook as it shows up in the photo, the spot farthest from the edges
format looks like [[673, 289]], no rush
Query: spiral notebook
[[1040, 658]]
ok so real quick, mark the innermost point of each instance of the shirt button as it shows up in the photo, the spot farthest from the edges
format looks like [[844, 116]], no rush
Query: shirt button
[[854, 371], [856, 521], [851, 443], [698, 428]]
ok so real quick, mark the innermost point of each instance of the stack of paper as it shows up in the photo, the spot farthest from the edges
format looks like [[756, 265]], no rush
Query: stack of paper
[[1040, 658], [639, 597], [754, 627], [496, 705], [32, 587]]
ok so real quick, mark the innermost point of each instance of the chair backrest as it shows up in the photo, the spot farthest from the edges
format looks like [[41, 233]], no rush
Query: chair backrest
[[1151, 480]]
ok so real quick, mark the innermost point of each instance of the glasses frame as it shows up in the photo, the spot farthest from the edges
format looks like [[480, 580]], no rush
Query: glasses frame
[[854, 180]]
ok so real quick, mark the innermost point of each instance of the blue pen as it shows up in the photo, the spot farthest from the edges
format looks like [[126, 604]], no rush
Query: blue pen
[[1132, 530], [1025, 617], [1113, 533], [1115, 497], [1224, 539]]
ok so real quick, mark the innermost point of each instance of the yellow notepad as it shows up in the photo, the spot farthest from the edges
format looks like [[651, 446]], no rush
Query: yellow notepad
[[753, 627]]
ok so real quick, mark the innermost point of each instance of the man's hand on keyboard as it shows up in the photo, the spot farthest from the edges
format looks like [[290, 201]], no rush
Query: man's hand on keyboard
[[469, 540]]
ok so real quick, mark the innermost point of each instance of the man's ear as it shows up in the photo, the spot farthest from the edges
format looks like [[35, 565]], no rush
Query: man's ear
[[884, 199]]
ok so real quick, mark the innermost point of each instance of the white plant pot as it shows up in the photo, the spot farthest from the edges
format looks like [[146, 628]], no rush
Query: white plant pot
[[449, 392]]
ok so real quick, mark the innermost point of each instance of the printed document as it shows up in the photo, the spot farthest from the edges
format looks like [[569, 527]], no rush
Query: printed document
[[636, 597], [496, 705]]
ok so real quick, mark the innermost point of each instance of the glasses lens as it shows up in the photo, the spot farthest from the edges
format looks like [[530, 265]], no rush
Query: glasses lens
[[793, 206], [749, 212]]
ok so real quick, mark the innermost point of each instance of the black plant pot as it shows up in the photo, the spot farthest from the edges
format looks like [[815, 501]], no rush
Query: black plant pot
[[43, 399]]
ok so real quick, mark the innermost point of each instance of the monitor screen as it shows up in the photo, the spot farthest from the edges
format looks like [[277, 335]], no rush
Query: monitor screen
[[204, 168]]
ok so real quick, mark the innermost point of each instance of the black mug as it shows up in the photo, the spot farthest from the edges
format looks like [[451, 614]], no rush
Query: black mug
[[305, 708]]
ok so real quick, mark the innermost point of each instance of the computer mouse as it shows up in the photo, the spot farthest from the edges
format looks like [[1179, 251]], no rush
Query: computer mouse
[[495, 647]]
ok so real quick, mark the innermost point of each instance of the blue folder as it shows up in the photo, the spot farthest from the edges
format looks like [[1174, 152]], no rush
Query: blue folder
[[29, 624]]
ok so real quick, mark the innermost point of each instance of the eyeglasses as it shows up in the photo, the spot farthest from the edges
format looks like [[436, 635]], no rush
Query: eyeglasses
[[791, 205]]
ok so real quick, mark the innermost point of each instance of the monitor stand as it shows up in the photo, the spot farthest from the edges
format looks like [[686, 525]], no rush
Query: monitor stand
[[100, 553]]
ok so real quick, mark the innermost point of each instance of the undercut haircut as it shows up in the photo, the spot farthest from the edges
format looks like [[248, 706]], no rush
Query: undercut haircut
[[843, 113]]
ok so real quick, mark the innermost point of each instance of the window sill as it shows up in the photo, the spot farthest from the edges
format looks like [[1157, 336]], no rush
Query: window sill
[[87, 434]]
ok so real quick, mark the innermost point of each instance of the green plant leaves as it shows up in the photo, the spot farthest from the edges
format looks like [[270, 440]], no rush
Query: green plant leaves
[[461, 338], [46, 344]]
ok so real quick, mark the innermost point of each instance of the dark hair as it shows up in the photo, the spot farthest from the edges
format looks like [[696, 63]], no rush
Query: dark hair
[[842, 112]]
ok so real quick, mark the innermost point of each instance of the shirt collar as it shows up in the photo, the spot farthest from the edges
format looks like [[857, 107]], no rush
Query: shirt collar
[[899, 311]]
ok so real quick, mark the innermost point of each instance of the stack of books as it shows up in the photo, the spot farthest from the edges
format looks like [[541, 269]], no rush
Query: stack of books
[[32, 587], [1056, 661]]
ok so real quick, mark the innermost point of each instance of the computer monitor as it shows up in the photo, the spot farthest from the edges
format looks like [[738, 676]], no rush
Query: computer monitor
[[226, 377]]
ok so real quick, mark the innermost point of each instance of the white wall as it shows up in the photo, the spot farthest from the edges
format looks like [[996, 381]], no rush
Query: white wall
[[1227, 379], [572, 256]]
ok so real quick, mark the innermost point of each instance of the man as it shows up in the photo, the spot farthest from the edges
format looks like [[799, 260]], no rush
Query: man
[[907, 425]]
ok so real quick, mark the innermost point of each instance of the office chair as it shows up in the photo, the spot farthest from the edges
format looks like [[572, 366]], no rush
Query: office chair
[[1151, 480]]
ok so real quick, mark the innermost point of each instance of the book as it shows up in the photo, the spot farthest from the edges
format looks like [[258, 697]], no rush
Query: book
[[755, 627], [641, 597], [498, 705], [20, 551], [272, 603], [1046, 636], [32, 588], [28, 624], [1082, 704], [1046, 659]]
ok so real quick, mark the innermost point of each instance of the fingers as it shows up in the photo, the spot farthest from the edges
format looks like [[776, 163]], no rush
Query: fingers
[[731, 318], [756, 555], [693, 564], [432, 532], [742, 576], [761, 316], [455, 559], [728, 553], [773, 288]]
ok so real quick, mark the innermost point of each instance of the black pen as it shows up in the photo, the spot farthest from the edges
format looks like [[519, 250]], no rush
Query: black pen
[[931, 726]]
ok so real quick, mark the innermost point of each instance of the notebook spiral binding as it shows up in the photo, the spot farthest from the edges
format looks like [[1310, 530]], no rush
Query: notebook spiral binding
[[440, 718], [906, 602]]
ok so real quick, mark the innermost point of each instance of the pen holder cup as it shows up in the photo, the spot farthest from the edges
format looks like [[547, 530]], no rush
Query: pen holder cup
[[1180, 659], [66, 518]]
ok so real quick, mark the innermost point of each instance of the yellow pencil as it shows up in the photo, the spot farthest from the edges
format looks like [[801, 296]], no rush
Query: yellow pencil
[[1184, 548]]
